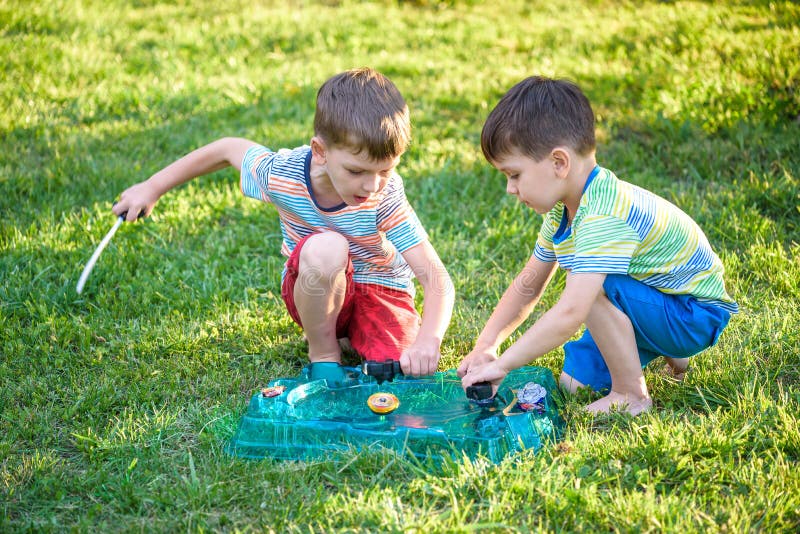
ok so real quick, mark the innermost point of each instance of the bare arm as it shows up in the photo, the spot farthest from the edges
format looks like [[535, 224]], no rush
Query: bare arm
[[550, 331], [422, 357], [514, 307], [142, 197]]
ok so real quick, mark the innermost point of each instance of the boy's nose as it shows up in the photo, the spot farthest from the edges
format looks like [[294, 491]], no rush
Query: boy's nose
[[511, 188], [372, 183]]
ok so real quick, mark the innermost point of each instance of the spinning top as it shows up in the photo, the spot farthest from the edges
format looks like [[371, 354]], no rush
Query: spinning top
[[531, 397], [272, 391], [383, 402]]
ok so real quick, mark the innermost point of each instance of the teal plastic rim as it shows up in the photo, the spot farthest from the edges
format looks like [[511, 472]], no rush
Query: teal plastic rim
[[310, 420]]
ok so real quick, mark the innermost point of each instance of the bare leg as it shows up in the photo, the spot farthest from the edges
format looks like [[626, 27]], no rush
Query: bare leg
[[319, 293], [569, 383], [613, 332]]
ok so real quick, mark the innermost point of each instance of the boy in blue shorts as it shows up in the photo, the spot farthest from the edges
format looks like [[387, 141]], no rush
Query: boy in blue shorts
[[641, 274], [353, 242]]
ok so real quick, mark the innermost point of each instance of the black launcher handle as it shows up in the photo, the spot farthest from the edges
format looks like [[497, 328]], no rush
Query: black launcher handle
[[481, 393], [382, 371]]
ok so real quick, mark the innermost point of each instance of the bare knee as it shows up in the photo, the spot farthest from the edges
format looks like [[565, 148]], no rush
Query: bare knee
[[324, 255]]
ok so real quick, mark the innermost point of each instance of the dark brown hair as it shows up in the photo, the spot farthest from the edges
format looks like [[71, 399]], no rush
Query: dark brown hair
[[537, 115], [361, 109]]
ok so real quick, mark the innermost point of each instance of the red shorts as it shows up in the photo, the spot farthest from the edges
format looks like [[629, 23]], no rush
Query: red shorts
[[381, 322]]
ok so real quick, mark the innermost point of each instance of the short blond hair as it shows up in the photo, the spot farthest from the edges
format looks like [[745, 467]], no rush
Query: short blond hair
[[361, 109]]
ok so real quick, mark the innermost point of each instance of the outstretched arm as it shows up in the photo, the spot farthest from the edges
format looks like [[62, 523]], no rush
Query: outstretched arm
[[514, 307], [422, 357], [142, 197]]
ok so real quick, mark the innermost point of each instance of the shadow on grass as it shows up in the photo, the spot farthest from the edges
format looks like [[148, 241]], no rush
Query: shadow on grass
[[173, 303]]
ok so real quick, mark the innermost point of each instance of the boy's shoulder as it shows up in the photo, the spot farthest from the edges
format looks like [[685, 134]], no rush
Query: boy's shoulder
[[281, 155], [394, 186], [284, 162], [641, 209], [609, 195], [605, 186]]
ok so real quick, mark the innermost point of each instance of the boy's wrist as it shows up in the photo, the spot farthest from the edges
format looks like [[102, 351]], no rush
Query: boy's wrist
[[428, 339], [158, 183], [505, 365], [514, 358], [484, 346]]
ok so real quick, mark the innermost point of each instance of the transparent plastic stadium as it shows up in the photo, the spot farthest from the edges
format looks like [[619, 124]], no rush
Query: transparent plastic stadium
[[303, 419]]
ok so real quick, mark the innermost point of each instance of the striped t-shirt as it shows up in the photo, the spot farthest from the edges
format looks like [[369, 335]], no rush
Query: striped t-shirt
[[620, 228], [378, 230]]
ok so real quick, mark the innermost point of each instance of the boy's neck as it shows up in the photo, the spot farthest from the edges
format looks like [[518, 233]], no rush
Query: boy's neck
[[580, 169], [322, 187]]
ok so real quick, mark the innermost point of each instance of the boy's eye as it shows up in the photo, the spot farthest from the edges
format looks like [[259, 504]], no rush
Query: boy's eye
[[354, 172]]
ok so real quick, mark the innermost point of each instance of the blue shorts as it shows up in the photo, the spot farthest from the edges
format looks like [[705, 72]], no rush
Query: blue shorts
[[676, 326]]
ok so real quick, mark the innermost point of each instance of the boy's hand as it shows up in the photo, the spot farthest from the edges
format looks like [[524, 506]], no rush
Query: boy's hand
[[493, 372], [137, 200], [475, 358], [421, 358]]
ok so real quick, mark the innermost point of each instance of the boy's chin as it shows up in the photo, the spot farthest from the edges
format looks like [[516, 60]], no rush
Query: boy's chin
[[530, 207], [540, 211]]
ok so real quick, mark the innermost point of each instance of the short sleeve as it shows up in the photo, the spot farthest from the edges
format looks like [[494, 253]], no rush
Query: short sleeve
[[603, 244], [254, 176], [397, 219], [545, 249]]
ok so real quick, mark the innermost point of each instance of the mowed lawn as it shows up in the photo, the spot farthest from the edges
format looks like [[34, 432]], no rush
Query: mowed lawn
[[115, 404]]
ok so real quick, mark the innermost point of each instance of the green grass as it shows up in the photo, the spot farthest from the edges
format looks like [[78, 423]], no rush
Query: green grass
[[115, 404]]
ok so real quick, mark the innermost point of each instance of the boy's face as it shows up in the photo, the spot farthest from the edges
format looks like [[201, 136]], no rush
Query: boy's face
[[537, 184], [355, 178]]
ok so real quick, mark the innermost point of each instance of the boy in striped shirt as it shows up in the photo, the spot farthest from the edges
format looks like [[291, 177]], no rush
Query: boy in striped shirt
[[353, 242], [641, 274]]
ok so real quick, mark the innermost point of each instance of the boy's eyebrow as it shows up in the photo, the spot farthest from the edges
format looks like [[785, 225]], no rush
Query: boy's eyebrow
[[355, 167], [501, 166], [358, 166]]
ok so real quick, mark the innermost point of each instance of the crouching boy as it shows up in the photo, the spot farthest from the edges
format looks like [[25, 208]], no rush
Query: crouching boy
[[353, 241], [640, 273]]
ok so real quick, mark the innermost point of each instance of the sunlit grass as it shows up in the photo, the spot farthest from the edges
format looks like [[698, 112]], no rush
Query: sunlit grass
[[115, 404]]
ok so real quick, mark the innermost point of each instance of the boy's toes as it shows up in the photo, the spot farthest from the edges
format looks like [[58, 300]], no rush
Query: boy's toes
[[674, 373], [617, 402]]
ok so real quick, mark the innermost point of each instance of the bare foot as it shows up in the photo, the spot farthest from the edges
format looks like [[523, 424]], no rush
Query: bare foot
[[676, 368], [620, 402]]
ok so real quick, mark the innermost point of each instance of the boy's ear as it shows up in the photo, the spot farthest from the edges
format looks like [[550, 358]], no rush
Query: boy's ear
[[561, 161], [318, 150]]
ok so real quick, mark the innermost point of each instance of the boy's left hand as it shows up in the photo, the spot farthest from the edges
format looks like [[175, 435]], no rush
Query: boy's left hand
[[421, 358], [492, 372]]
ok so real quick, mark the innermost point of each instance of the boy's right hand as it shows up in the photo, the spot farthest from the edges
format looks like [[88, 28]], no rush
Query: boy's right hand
[[475, 358], [492, 371], [138, 201]]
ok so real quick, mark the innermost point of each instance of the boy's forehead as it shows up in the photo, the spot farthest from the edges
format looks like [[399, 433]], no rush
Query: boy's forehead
[[512, 160], [506, 161], [363, 160]]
